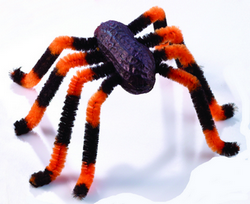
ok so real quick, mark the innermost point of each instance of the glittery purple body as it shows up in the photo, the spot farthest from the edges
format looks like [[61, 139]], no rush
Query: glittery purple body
[[132, 60]]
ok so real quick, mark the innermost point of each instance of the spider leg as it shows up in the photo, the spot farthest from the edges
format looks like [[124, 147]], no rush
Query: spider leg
[[218, 112], [180, 51], [32, 78], [165, 35], [202, 109], [154, 15], [91, 136], [162, 37], [51, 86], [63, 137], [175, 51], [186, 61]]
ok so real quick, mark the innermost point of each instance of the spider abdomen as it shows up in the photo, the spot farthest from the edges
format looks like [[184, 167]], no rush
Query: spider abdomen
[[132, 60]]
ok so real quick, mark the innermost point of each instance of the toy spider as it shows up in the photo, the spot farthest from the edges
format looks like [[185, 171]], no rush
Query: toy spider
[[124, 60]]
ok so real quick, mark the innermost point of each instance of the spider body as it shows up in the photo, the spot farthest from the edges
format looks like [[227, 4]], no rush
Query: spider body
[[114, 53], [132, 60]]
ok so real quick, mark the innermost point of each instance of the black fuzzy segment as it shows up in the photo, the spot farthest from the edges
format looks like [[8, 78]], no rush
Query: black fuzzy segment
[[80, 191], [95, 57], [150, 40], [21, 127], [67, 119], [160, 24], [49, 89], [17, 75], [178, 63], [139, 24], [85, 44], [159, 56], [103, 70], [91, 138], [230, 149], [40, 178], [228, 110], [202, 109], [163, 69], [109, 84], [199, 100], [195, 70], [44, 63]]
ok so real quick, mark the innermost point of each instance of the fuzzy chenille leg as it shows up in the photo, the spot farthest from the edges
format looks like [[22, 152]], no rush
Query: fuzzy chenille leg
[[51, 86], [180, 52], [163, 34], [162, 37], [32, 78], [91, 136], [58, 156], [202, 109], [186, 61], [63, 137], [218, 112], [154, 15]]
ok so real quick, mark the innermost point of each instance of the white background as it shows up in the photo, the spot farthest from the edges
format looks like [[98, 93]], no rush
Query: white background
[[151, 146]]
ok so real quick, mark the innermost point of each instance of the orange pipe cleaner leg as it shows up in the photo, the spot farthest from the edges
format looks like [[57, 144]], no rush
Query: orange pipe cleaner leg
[[51, 86], [218, 112], [187, 62], [202, 109], [162, 38], [53, 170], [91, 136], [58, 156], [154, 15], [44, 63], [221, 112], [90, 144], [32, 78]]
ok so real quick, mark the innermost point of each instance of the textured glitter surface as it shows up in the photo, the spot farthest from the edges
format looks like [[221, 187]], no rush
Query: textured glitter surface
[[133, 61]]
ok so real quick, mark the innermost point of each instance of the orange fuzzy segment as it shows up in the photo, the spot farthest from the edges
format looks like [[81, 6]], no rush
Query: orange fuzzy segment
[[179, 52], [94, 108], [60, 43], [184, 78], [213, 140], [161, 46], [35, 115], [32, 179], [76, 84], [87, 175], [155, 13], [216, 111], [30, 80], [57, 160], [170, 34], [70, 61]]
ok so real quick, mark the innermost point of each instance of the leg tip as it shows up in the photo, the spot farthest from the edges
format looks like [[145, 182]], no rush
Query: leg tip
[[80, 191], [21, 127], [17, 75], [40, 178], [230, 149], [229, 110]]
